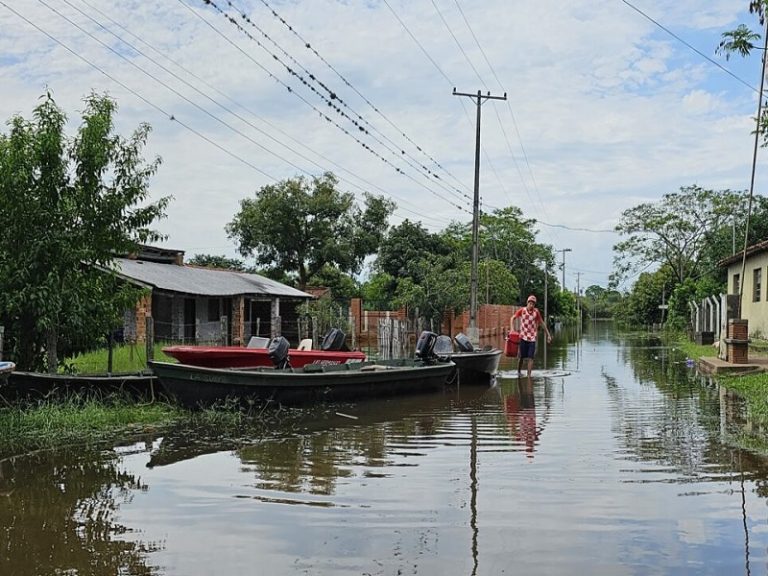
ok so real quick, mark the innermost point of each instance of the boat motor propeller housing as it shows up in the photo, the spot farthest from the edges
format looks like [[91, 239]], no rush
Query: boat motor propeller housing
[[463, 343], [443, 345], [425, 346], [334, 340], [278, 352]]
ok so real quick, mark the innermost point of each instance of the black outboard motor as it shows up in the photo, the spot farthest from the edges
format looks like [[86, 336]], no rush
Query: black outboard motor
[[425, 346], [278, 352], [334, 340], [463, 343]]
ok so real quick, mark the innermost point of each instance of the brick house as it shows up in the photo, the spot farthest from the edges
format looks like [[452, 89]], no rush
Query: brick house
[[193, 304]]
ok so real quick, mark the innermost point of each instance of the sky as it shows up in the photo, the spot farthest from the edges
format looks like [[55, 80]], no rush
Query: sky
[[609, 104]]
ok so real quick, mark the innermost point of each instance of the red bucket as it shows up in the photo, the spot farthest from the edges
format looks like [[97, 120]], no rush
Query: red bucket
[[513, 341]]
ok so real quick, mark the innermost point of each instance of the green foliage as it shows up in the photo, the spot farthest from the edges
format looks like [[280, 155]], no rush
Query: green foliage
[[341, 285], [221, 262], [68, 206], [443, 287], [602, 302], [299, 227], [378, 290], [675, 231], [690, 291], [641, 307]]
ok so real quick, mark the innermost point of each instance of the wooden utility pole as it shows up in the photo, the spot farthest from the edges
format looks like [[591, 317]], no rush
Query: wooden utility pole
[[479, 98]]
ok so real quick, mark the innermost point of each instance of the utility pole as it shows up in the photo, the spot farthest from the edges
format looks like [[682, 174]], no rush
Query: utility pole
[[564, 250], [473, 336]]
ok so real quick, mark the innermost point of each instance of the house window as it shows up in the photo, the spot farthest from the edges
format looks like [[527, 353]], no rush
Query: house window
[[757, 275], [736, 284]]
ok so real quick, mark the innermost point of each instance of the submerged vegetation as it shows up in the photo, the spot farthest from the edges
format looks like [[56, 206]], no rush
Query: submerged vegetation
[[76, 420]]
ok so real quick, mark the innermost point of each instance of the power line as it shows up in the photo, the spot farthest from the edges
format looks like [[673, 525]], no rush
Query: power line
[[337, 98], [307, 45], [676, 37], [245, 120], [168, 115], [322, 114]]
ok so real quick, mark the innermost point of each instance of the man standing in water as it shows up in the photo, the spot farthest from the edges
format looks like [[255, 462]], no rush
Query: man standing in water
[[529, 320]]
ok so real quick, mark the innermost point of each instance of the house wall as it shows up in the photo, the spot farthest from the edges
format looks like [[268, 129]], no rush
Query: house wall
[[753, 309]]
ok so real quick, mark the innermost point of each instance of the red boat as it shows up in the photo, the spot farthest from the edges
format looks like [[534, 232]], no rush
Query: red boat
[[239, 357], [332, 351]]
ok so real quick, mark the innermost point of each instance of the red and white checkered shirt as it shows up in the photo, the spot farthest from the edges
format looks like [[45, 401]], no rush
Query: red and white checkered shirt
[[529, 323]]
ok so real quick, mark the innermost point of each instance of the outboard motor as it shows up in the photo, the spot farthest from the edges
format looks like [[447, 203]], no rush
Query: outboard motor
[[463, 343], [443, 345], [425, 345], [334, 340], [278, 352]]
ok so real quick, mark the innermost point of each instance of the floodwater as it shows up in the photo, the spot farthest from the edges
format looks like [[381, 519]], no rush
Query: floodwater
[[616, 458]]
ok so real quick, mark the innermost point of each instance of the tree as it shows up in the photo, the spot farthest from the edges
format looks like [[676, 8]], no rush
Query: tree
[[221, 262], [301, 226], [68, 206], [675, 231], [641, 308]]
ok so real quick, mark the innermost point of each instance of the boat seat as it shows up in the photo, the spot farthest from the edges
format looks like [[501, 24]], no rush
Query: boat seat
[[305, 344], [258, 342]]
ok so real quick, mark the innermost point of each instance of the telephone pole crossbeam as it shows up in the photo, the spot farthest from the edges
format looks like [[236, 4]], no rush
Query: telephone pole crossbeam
[[479, 98]]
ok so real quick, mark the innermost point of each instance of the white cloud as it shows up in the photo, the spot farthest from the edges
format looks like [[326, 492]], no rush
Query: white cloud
[[605, 109]]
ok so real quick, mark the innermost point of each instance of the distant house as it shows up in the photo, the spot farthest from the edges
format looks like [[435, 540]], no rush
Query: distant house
[[192, 304], [754, 301]]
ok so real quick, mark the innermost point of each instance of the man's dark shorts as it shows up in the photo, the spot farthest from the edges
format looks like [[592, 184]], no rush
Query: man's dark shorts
[[527, 349]]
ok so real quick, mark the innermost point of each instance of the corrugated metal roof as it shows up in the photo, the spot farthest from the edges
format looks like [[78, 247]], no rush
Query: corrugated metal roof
[[758, 248], [202, 281]]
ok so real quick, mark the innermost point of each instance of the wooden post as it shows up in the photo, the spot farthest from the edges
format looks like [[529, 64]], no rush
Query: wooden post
[[150, 339], [224, 330], [109, 353]]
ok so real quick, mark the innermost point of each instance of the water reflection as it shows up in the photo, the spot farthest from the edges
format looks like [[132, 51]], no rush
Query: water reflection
[[520, 409], [58, 515], [626, 465]]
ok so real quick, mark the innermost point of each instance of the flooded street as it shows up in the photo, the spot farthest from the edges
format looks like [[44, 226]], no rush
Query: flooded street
[[614, 458]]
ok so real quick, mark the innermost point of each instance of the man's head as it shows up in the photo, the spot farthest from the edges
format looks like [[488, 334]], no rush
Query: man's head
[[531, 302]]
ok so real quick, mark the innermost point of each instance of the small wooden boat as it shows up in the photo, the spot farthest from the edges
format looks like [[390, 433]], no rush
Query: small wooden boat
[[331, 351], [33, 385], [473, 365], [195, 386]]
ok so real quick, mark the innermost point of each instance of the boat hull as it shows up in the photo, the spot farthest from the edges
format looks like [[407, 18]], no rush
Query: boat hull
[[239, 357], [32, 385], [195, 386], [478, 367]]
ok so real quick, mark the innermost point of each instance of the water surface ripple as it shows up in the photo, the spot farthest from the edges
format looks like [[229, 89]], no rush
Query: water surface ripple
[[615, 458]]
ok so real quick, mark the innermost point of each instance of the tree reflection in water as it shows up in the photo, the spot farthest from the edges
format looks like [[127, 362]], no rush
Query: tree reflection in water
[[58, 515]]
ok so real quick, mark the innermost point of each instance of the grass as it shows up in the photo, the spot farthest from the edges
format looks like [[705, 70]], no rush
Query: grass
[[126, 358], [76, 420], [80, 421], [753, 387]]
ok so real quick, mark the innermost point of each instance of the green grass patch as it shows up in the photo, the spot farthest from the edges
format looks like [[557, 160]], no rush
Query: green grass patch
[[75, 420], [753, 388], [693, 350], [126, 358]]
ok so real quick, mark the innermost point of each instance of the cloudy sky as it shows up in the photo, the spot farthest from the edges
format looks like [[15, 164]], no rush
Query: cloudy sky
[[609, 103]]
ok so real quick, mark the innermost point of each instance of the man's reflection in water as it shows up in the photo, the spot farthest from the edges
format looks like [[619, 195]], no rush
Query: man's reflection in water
[[521, 415]]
